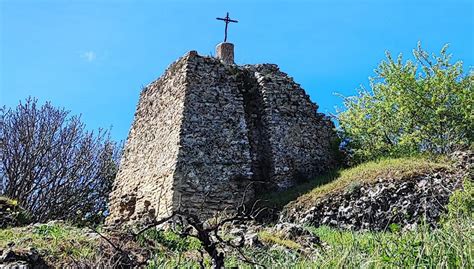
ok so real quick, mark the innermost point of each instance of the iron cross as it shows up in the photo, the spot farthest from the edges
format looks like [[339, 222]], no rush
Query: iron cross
[[227, 20]]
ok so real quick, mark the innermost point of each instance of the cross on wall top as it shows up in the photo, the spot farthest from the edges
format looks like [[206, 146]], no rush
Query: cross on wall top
[[227, 20]]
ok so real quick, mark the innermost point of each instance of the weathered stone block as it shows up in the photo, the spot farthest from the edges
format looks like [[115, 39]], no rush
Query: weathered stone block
[[225, 52]]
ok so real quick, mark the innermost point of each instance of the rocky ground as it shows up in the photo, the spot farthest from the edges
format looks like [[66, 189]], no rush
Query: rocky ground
[[57, 244], [21, 259], [405, 202], [385, 204]]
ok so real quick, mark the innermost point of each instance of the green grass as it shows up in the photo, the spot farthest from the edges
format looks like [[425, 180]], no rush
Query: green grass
[[278, 239], [57, 241], [425, 248], [169, 240], [448, 247], [307, 193], [451, 246]]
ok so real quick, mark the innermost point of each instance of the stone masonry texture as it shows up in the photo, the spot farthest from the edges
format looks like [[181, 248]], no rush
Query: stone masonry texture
[[208, 136], [225, 52]]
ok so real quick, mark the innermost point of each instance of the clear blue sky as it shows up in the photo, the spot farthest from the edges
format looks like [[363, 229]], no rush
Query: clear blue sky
[[93, 57]]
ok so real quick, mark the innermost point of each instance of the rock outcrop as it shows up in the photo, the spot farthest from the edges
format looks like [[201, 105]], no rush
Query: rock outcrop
[[21, 259], [406, 202], [207, 136]]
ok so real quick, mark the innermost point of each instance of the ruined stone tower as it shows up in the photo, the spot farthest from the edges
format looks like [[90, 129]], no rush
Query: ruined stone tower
[[209, 134]]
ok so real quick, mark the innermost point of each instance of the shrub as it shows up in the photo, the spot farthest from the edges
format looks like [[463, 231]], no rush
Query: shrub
[[12, 214], [461, 202], [421, 106], [52, 166]]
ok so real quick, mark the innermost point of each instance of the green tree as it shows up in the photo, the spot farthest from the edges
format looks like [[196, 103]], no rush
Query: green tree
[[424, 105]]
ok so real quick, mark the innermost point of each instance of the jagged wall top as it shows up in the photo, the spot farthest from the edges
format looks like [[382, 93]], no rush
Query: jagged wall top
[[209, 135]]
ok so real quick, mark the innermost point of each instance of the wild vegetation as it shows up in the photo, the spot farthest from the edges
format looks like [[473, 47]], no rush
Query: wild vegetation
[[449, 246], [59, 241], [52, 166], [424, 105], [345, 178]]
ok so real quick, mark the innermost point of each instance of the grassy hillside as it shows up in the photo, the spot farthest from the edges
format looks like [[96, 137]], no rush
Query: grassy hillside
[[449, 246], [58, 242], [307, 193]]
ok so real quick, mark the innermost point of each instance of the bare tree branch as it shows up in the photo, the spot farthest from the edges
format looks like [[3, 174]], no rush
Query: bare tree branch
[[52, 165]]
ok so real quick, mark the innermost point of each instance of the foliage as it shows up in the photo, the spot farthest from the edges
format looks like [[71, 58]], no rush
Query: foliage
[[208, 236], [11, 213], [350, 178], [52, 166], [421, 106], [162, 261], [461, 202], [170, 248]]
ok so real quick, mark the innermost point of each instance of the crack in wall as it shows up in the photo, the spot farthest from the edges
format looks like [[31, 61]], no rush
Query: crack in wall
[[259, 139]]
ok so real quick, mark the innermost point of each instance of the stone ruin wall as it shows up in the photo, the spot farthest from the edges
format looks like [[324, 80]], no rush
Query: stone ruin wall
[[206, 130], [143, 186], [213, 169], [300, 138]]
